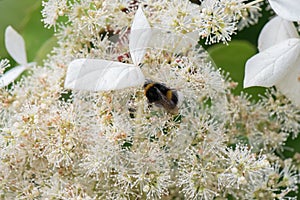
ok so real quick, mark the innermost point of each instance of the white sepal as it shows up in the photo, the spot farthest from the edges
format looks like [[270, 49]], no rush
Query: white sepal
[[11, 75], [276, 31], [290, 84], [186, 41], [172, 41], [102, 75], [15, 45], [270, 66], [139, 37], [287, 9]]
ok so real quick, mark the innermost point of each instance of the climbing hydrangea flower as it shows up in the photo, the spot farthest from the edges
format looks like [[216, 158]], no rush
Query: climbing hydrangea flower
[[59, 143], [52, 10]]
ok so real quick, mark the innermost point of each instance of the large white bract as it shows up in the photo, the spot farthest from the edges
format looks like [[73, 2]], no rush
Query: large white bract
[[287, 9], [15, 46], [104, 75], [278, 62], [275, 31]]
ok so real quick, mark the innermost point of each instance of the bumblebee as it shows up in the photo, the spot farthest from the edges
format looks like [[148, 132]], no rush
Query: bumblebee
[[161, 96]]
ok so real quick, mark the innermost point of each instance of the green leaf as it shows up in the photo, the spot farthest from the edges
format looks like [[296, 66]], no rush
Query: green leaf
[[232, 58], [36, 35], [45, 50]]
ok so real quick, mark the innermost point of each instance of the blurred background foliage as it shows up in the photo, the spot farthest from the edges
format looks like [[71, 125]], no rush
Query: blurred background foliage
[[25, 16]]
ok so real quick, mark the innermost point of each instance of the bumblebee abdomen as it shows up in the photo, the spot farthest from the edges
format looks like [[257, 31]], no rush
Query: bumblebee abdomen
[[172, 96]]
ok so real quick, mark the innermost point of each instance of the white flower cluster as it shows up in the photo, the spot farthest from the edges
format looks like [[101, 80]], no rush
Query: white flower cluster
[[214, 20], [57, 143]]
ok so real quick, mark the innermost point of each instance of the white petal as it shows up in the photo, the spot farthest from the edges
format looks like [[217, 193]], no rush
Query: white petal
[[276, 31], [287, 9], [102, 75], [270, 66], [171, 41], [290, 84], [139, 36], [15, 45], [11, 75], [188, 40]]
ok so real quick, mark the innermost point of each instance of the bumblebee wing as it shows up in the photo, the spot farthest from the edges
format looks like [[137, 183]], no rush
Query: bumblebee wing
[[15, 45], [11, 75], [102, 75], [139, 37], [165, 102]]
